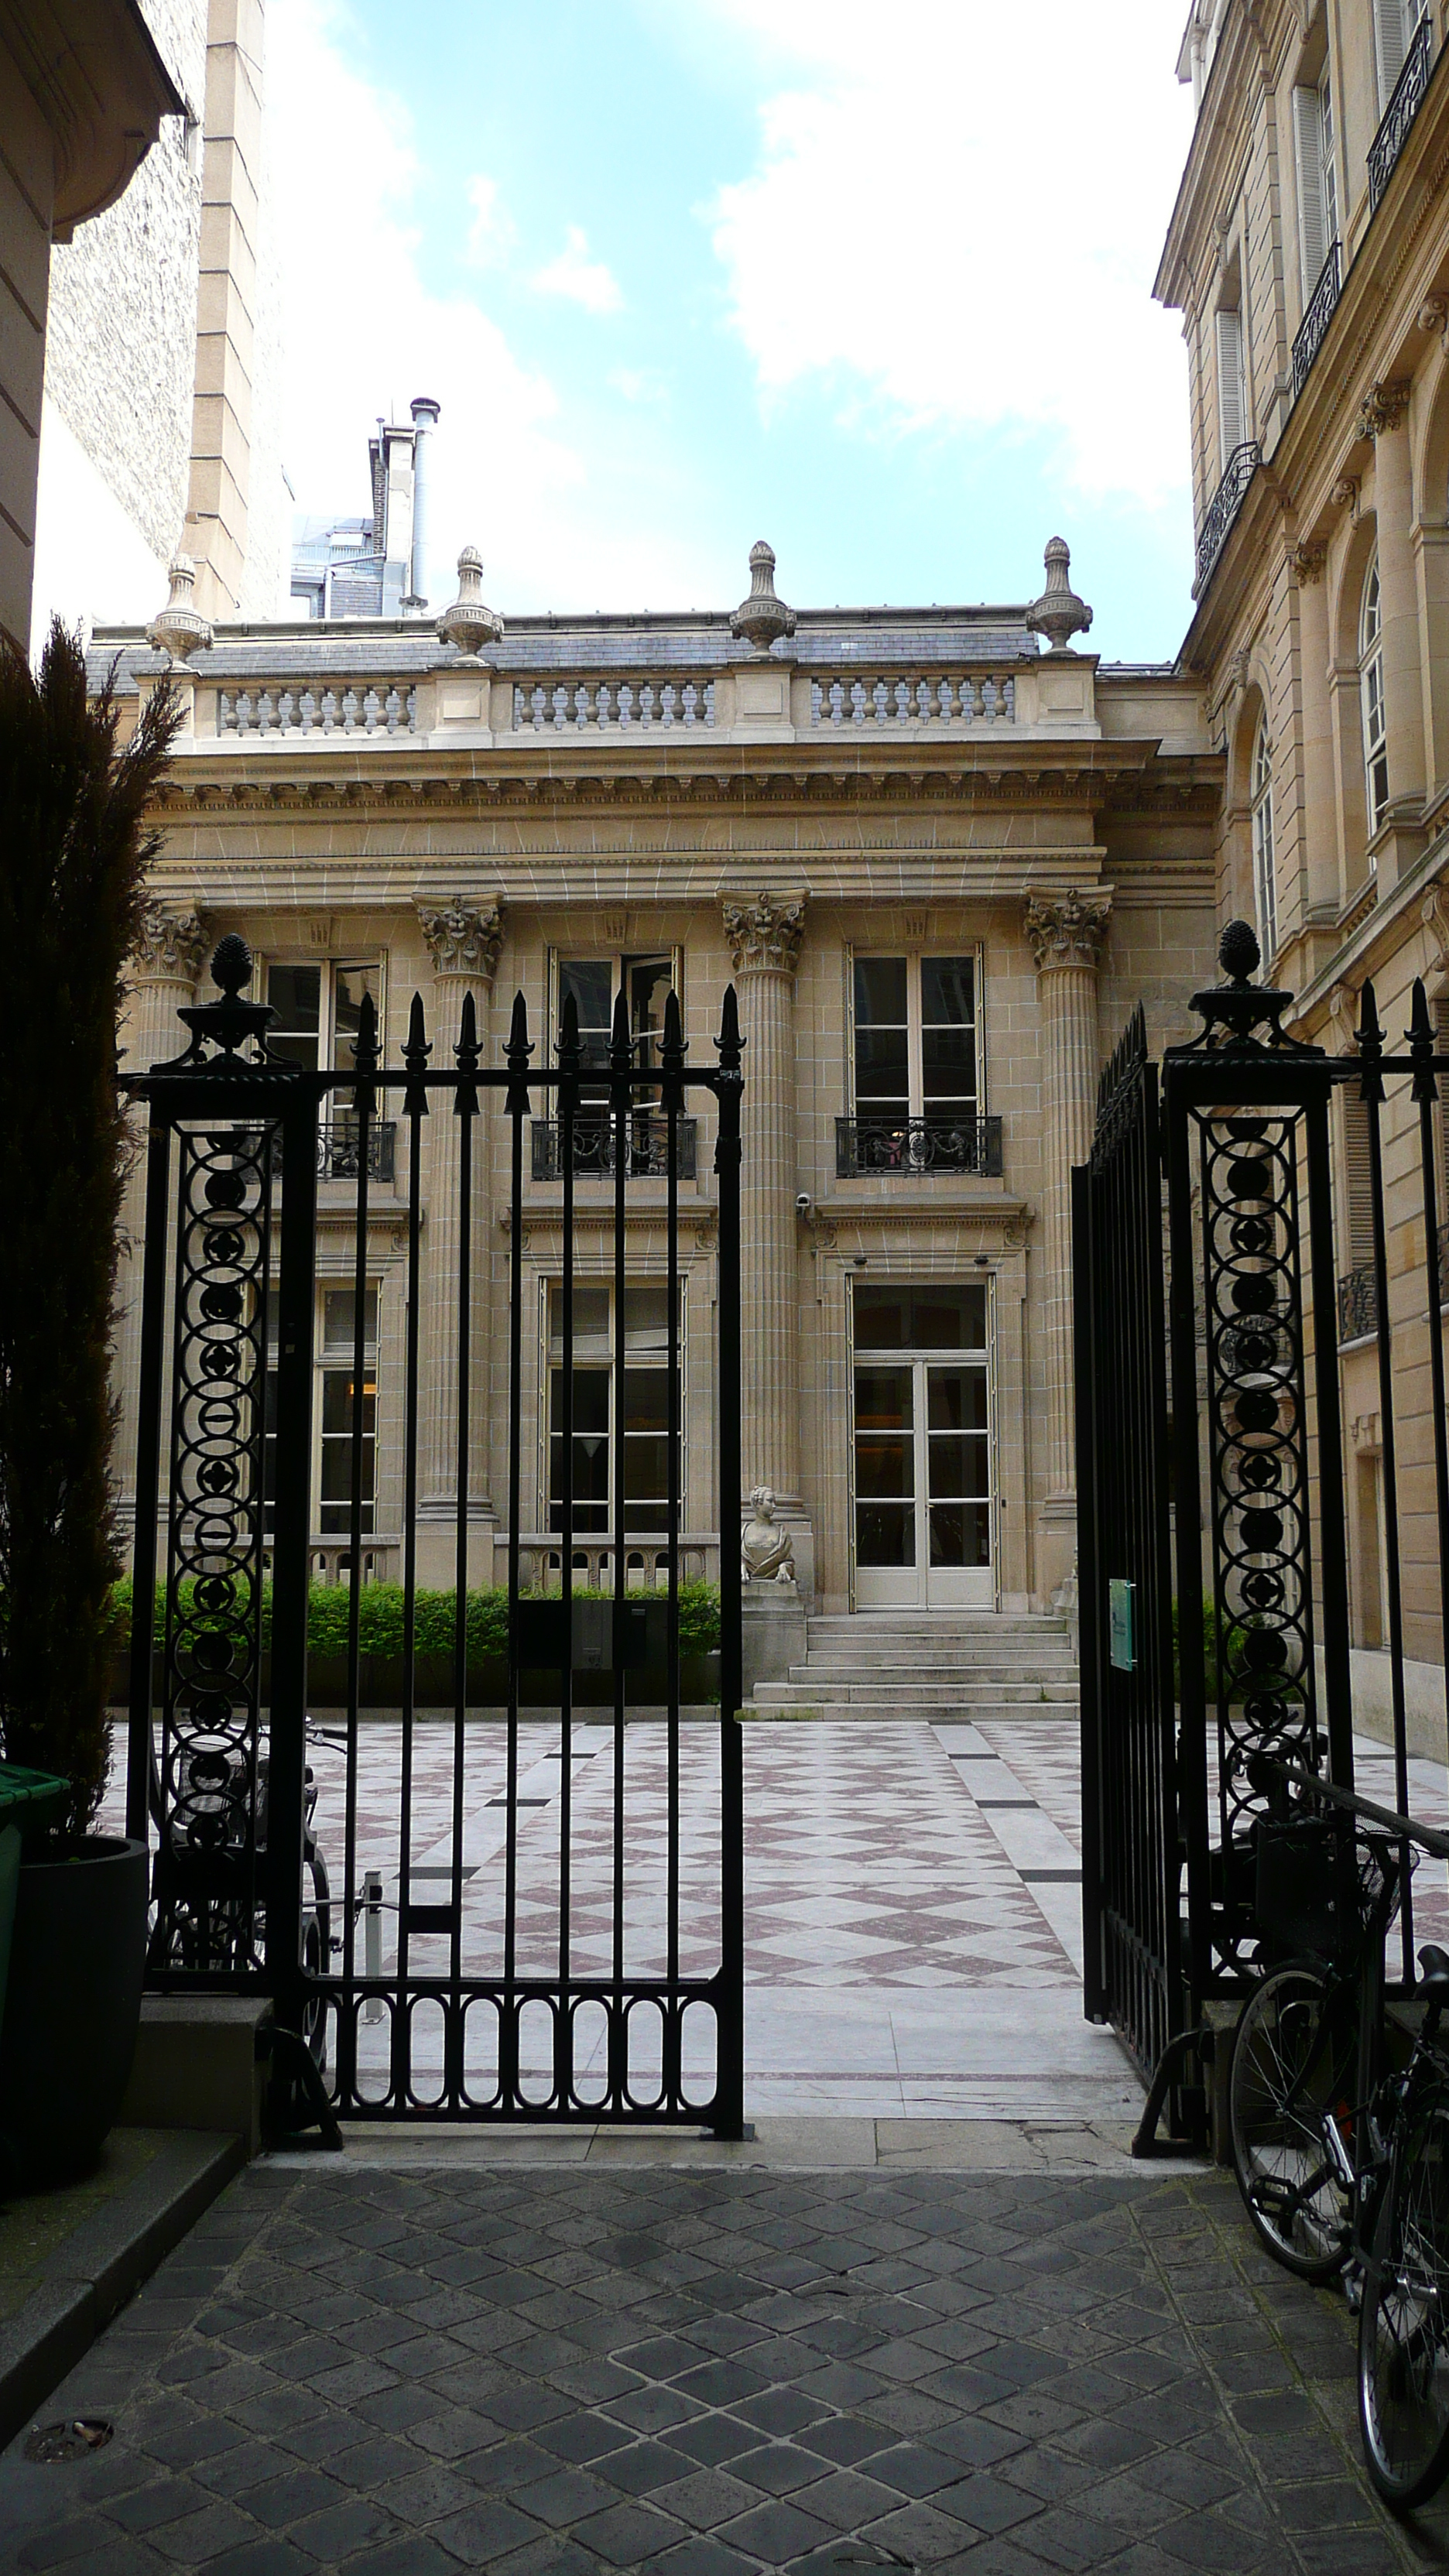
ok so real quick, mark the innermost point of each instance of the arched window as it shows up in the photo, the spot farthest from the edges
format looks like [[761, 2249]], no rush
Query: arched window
[[1265, 882], [1371, 700]]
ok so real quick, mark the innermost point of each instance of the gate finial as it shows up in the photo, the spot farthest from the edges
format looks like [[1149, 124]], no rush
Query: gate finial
[[1235, 1010], [516, 1055], [1421, 1045], [415, 1057], [1369, 1037], [467, 1051], [671, 1054]]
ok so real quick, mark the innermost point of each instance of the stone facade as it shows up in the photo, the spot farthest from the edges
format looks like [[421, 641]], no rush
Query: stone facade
[[1309, 256], [910, 837]]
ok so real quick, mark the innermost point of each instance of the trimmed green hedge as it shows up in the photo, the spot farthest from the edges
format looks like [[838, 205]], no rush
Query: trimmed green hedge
[[380, 1623]]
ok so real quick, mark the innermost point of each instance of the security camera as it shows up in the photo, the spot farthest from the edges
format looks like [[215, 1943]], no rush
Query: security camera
[[802, 1204]]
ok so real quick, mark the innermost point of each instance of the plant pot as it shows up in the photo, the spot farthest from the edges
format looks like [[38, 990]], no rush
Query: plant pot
[[72, 2007]]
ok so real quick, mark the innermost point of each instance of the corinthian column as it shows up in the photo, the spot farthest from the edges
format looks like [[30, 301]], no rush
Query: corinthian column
[[170, 952], [463, 939], [764, 944], [1384, 418], [1065, 933]]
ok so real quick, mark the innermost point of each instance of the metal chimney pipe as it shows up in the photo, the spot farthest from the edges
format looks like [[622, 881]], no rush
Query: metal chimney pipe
[[425, 417]]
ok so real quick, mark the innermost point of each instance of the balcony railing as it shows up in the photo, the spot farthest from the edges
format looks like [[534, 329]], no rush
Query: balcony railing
[[1224, 507], [1399, 115], [1358, 1303], [596, 1146], [1317, 318], [338, 1155], [327, 707], [900, 698], [911, 1148], [614, 706]]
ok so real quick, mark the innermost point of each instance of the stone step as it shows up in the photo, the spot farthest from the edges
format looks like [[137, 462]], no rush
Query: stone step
[[934, 1696], [906, 1659], [860, 1713]]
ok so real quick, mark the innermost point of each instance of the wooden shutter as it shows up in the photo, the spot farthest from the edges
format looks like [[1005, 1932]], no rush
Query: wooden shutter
[[1357, 1194], [1232, 426], [1394, 22], [1308, 152]]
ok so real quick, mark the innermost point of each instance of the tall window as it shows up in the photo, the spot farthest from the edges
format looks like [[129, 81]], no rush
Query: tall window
[[915, 1038], [1232, 392], [636, 1412], [1265, 882], [1317, 168], [1371, 700], [332, 1413], [319, 1010], [594, 982], [1394, 24]]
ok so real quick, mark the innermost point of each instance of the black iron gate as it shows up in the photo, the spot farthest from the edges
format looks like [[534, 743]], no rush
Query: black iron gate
[[1212, 1474], [530, 1912]]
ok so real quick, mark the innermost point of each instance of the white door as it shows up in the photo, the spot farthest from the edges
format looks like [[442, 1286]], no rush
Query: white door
[[923, 1490]]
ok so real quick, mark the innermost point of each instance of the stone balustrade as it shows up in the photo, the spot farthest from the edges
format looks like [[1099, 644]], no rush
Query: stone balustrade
[[337, 707], [646, 1567], [913, 698], [612, 706]]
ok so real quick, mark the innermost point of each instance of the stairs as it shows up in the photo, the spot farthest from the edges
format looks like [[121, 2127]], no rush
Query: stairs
[[940, 1664]]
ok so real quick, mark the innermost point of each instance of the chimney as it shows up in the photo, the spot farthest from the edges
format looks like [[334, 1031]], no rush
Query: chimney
[[425, 416]]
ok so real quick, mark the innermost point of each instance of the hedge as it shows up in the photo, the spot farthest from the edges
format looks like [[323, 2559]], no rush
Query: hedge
[[380, 1620]]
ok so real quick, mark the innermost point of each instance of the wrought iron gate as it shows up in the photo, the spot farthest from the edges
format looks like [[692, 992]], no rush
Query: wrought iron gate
[[463, 1915], [1212, 1474]]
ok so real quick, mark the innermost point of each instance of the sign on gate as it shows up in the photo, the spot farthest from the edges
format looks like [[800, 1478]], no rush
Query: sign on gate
[[467, 1904]]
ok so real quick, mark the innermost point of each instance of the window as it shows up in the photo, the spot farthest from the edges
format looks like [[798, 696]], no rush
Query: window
[[332, 1413], [1358, 1197], [319, 1010], [1371, 701], [1265, 883], [1232, 393], [599, 1397], [594, 982], [1317, 166], [1395, 22], [915, 1039]]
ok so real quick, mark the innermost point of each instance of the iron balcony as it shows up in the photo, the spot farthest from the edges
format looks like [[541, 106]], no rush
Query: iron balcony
[[1358, 1304], [909, 1148], [596, 1146], [1317, 318], [1224, 507], [1399, 115], [337, 1150]]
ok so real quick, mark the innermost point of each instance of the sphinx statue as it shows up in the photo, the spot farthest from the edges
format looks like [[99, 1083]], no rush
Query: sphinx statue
[[766, 1554]]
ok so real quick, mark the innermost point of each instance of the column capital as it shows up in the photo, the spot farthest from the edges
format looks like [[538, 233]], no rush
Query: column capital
[[170, 947], [764, 937], [1383, 407], [1306, 562], [1066, 929], [464, 936]]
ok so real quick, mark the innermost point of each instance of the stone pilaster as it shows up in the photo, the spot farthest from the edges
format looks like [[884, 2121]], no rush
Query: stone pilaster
[[1318, 879], [1384, 418], [1065, 933], [764, 939], [464, 936], [166, 964]]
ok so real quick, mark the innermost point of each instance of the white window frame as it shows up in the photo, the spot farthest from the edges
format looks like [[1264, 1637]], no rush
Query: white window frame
[[1265, 880], [582, 951], [1316, 164], [332, 1362], [915, 954], [329, 968], [549, 1283], [1371, 701]]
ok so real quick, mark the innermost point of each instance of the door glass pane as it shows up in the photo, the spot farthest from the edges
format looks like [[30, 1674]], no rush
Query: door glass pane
[[948, 1032], [350, 984], [339, 1319], [591, 1449], [961, 1534], [591, 1319], [337, 1452], [882, 1061], [884, 1447], [885, 1534], [920, 1319], [295, 994], [591, 982]]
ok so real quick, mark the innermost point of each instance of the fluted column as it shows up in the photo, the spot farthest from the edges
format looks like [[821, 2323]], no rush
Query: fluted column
[[165, 965], [1065, 933], [1318, 862], [1384, 418], [463, 939], [764, 944]]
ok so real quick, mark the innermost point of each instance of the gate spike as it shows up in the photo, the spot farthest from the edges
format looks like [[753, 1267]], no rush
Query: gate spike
[[465, 1103], [621, 1059], [415, 1058], [729, 1043], [1370, 1044], [672, 1053], [516, 1054], [570, 1049], [364, 1056], [1421, 1034]]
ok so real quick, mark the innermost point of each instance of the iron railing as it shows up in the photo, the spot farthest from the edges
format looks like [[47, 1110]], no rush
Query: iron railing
[[1223, 509], [1358, 1303], [1315, 322], [339, 1143], [910, 1148], [1399, 115], [596, 1146]]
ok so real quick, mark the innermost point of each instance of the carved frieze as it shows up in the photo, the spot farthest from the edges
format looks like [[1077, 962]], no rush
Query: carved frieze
[[463, 937], [171, 947], [1066, 929], [764, 937]]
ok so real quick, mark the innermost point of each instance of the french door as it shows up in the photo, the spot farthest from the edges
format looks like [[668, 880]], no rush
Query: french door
[[924, 1516]]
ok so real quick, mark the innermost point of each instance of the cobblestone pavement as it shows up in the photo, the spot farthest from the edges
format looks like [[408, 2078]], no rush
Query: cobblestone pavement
[[709, 2369]]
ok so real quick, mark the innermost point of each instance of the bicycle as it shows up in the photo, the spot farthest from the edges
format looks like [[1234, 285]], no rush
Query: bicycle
[[1343, 2164]]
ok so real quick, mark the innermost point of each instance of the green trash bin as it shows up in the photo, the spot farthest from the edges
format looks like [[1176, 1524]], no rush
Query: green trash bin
[[30, 1803]]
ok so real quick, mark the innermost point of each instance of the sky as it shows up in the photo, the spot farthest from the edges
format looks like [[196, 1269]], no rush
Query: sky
[[872, 282]]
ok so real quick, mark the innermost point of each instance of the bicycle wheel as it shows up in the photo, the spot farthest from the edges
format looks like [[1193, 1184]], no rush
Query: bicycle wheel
[[1403, 2327], [1293, 2065]]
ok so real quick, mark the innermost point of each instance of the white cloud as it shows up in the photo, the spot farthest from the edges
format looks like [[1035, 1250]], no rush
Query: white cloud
[[492, 233], [364, 332], [582, 280], [959, 226]]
